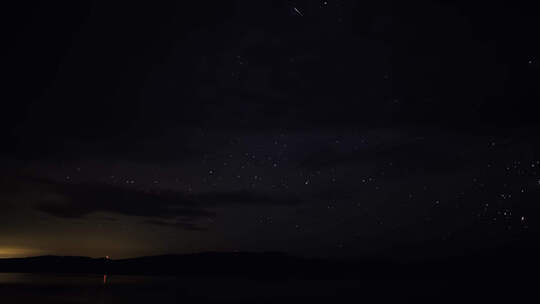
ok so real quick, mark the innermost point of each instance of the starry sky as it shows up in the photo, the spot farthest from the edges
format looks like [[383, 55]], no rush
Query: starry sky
[[318, 128]]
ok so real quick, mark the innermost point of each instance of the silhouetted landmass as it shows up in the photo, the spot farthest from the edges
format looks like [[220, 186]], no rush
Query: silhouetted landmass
[[500, 276], [278, 265]]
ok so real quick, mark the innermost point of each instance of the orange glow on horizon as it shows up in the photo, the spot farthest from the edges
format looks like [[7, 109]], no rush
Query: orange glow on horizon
[[17, 252]]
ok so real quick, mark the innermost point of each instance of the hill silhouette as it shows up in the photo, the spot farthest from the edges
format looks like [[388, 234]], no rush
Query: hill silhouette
[[275, 265]]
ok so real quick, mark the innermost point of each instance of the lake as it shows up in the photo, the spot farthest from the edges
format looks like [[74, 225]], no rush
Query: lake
[[67, 288]]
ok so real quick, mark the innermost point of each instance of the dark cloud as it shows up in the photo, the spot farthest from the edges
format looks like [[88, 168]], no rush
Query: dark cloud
[[65, 200], [433, 152], [329, 157], [177, 225], [243, 198]]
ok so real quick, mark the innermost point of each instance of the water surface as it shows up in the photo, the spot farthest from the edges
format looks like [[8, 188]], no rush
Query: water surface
[[76, 288]]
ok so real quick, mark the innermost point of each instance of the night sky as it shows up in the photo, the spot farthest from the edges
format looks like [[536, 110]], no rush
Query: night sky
[[317, 128]]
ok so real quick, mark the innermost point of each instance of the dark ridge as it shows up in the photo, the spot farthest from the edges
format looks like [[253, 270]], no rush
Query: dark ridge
[[274, 265]]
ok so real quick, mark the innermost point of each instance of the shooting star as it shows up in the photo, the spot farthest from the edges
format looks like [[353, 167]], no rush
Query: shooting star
[[297, 11]]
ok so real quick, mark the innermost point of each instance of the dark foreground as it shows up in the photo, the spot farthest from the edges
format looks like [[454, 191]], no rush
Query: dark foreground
[[269, 278], [62, 288]]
